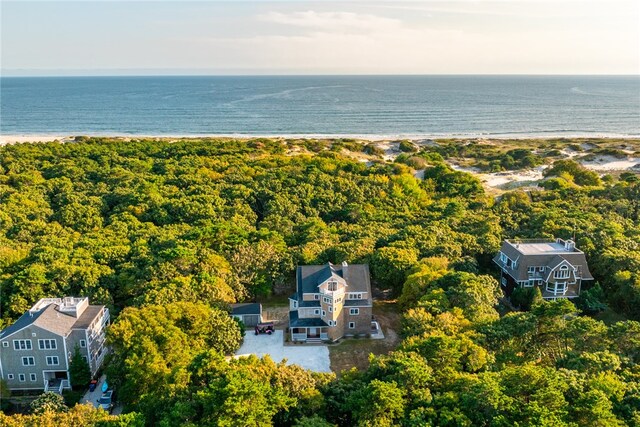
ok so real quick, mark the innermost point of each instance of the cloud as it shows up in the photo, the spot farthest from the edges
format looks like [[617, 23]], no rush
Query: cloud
[[332, 21]]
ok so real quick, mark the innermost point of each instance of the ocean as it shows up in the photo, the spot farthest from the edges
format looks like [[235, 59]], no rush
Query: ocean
[[365, 106]]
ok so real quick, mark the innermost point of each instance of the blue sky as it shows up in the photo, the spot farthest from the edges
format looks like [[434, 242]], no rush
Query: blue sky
[[299, 37]]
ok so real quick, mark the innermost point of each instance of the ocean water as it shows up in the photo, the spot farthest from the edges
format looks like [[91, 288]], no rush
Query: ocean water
[[391, 106]]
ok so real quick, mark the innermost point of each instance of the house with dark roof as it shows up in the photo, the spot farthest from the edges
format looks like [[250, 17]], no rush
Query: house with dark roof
[[331, 301], [35, 351], [249, 313], [557, 267]]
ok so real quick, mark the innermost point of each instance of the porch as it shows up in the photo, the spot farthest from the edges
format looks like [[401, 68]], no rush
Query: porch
[[554, 290], [309, 334], [56, 381]]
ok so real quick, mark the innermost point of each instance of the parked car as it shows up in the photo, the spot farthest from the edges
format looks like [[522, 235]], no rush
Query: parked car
[[106, 401], [264, 328]]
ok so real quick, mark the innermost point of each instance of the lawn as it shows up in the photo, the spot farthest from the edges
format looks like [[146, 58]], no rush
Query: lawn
[[354, 352]]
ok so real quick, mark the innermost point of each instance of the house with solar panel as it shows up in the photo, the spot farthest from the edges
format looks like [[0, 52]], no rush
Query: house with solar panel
[[35, 351], [557, 267], [331, 302]]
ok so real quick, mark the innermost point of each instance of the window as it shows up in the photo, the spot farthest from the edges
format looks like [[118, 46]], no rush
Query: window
[[331, 323], [531, 270], [22, 378], [561, 273], [47, 344], [32, 377], [337, 300], [503, 281], [332, 286], [503, 258], [295, 304], [5, 343], [541, 268], [316, 311], [354, 311], [557, 288], [326, 300], [324, 313], [316, 296], [83, 343], [28, 361], [529, 283], [352, 325], [22, 344], [9, 376], [330, 309], [52, 360]]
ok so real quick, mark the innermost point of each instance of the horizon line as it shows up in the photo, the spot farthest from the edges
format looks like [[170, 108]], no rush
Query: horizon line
[[324, 75]]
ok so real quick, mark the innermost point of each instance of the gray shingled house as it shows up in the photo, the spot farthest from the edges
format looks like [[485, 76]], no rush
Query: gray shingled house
[[557, 267], [331, 301], [36, 350]]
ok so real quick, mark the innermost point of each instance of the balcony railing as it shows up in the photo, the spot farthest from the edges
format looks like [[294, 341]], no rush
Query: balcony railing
[[333, 294], [558, 288]]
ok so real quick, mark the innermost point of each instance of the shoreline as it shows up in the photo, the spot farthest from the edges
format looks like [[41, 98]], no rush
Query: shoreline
[[39, 137]]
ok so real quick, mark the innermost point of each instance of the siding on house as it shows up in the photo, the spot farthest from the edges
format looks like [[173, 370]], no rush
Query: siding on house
[[350, 288], [63, 321]]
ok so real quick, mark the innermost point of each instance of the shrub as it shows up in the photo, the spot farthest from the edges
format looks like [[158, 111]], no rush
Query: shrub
[[408, 146]]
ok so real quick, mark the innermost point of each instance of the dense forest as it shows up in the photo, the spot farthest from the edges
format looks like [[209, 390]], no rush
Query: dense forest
[[167, 233]]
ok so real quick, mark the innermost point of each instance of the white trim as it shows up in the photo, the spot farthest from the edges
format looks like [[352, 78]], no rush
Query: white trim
[[352, 325], [22, 349], [22, 378], [29, 359], [42, 344], [34, 326], [5, 343], [52, 358], [10, 376], [354, 311], [33, 377], [66, 354]]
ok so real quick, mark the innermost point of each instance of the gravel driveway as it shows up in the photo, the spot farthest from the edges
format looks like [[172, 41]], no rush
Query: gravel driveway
[[312, 357]]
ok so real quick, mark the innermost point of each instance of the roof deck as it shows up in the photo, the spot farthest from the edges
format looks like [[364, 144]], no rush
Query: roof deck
[[544, 247]]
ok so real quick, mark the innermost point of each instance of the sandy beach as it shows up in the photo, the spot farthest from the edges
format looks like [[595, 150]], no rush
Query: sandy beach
[[602, 164]]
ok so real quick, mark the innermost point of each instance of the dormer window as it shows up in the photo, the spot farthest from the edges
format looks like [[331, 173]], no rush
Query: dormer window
[[561, 273], [332, 285], [503, 258]]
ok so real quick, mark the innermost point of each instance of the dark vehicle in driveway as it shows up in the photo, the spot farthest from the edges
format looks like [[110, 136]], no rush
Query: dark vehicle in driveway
[[264, 328]]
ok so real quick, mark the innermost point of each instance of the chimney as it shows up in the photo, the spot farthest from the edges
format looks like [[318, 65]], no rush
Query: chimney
[[569, 245], [345, 269]]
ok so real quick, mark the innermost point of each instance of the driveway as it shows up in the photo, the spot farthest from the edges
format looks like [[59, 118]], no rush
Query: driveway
[[93, 396], [312, 357]]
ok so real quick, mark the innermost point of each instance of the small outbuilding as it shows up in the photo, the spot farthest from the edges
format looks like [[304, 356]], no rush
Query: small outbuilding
[[249, 313]]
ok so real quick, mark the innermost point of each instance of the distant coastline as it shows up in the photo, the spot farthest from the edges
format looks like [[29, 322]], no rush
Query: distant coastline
[[26, 138]]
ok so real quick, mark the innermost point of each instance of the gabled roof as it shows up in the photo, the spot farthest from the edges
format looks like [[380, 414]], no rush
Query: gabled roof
[[53, 320], [541, 253], [246, 308], [310, 276]]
